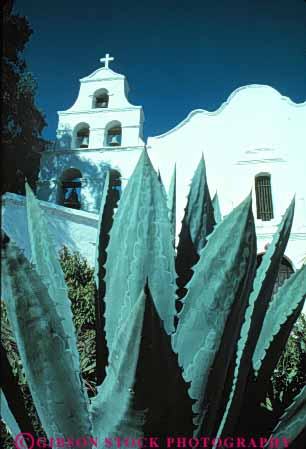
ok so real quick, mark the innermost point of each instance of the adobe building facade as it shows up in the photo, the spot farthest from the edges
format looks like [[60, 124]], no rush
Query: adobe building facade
[[255, 140]]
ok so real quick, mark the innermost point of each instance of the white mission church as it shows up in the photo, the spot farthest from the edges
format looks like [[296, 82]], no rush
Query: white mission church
[[255, 140]]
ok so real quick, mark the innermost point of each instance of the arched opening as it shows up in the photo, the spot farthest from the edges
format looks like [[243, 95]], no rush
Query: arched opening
[[263, 191], [115, 185], [100, 99], [284, 272], [81, 136], [113, 134], [71, 184]]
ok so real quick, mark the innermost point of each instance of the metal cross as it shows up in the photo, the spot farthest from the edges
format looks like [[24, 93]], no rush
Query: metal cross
[[106, 60]]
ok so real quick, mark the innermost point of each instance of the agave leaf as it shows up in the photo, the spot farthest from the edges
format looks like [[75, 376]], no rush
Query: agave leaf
[[9, 419], [213, 309], [172, 204], [46, 260], [254, 316], [112, 411], [159, 176], [197, 224], [217, 210], [292, 425], [287, 303], [160, 387], [106, 214], [141, 235], [12, 391], [199, 211], [162, 184], [267, 273], [102, 234], [44, 348]]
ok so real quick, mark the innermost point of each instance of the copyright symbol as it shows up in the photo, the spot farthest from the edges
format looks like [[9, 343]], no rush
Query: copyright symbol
[[24, 440]]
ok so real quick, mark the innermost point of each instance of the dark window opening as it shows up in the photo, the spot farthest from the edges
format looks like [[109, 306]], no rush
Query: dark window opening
[[263, 193]]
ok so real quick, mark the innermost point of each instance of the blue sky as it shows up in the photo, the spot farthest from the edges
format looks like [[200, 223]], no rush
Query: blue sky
[[177, 55]]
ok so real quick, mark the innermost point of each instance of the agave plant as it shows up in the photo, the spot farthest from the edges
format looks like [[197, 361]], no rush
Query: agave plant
[[187, 339]]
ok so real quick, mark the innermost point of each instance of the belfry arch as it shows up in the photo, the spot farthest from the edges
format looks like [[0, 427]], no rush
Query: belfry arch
[[100, 99], [115, 185], [113, 134], [81, 136], [70, 185]]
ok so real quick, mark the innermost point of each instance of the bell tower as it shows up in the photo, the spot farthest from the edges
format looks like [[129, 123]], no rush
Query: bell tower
[[101, 115], [101, 125]]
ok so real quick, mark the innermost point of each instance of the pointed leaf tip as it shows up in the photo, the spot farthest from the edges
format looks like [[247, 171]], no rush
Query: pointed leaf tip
[[144, 160], [292, 203], [202, 164], [217, 209], [28, 189], [247, 202]]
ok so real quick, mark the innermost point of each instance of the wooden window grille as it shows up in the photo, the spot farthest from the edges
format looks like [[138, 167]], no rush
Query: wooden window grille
[[264, 202]]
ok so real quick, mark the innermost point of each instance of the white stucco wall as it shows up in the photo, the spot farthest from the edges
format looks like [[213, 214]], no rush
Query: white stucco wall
[[256, 130], [73, 228], [92, 164]]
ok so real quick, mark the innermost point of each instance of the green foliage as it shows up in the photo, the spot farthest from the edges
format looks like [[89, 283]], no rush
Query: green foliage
[[87, 349], [274, 326], [290, 371], [292, 423], [22, 122], [226, 334], [81, 288], [9, 343]]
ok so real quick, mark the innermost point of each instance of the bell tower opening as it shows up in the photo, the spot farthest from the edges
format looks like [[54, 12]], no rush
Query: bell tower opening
[[100, 99], [115, 184], [70, 189], [113, 134], [81, 136]]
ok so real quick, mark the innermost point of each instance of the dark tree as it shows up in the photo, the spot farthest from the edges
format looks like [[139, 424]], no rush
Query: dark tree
[[22, 122]]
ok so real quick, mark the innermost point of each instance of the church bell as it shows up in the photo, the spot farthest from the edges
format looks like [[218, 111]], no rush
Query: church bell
[[115, 141], [85, 141]]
